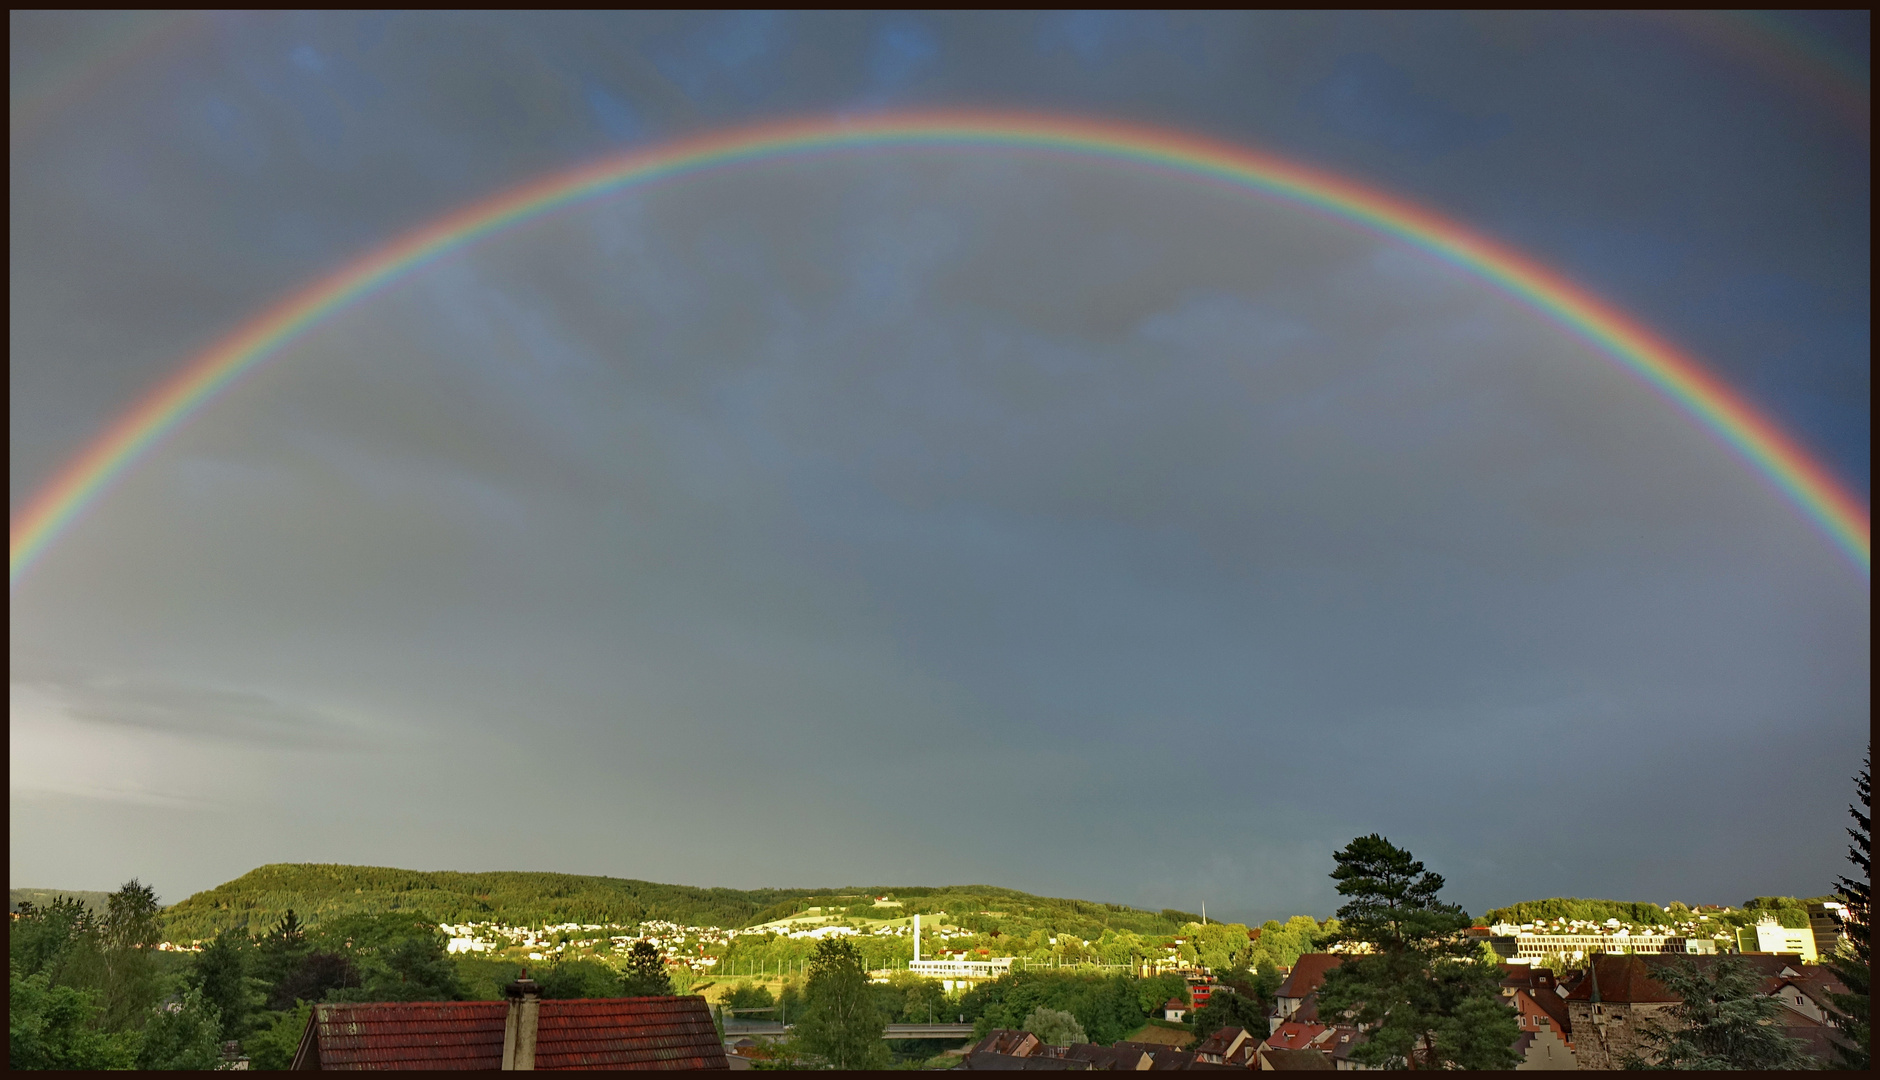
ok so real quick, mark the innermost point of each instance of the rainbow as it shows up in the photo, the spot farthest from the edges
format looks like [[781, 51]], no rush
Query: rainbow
[[1677, 376]]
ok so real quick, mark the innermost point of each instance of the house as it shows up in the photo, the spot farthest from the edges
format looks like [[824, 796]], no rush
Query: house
[[1119, 1058], [1167, 1059], [1343, 1041], [1174, 1009], [523, 1032], [1520, 976], [1007, 1042], [1301, 982], [1546, 1040], [1818, 1039], [1223, 1044], [1543, 1042], [1607, 1008], [1293, 1035], [1307, 1012], [1543, 1049], [1008, 1063], [1807, 992], [1293, 1060]]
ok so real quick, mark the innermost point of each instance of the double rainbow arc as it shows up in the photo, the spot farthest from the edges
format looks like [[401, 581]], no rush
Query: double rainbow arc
[[1755, 438]]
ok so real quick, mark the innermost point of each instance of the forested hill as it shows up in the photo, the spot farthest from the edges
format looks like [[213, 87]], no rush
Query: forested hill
[[42, 897], [317, 891], [258, 899]]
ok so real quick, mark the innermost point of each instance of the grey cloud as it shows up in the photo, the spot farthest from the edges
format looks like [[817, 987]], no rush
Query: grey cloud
[[203, 712], [946, 515]]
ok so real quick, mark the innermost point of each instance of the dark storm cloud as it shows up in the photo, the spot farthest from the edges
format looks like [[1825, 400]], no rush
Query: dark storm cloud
[[951, 517]]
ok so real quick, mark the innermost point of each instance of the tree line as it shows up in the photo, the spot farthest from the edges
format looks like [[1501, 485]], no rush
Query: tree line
[[96, 993]]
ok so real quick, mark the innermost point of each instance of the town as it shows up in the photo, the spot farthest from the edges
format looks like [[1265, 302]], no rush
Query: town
[[969, 978]]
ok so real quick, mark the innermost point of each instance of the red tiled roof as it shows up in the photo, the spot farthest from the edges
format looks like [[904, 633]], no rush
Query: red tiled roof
[[1621, 979], [1293, 1036], [628, 1033], [595, 1033], [1554, 1006], [407, 1035], [1307, 973]]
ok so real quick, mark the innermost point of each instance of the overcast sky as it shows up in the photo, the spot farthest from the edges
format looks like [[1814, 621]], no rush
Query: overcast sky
[[941, 517]]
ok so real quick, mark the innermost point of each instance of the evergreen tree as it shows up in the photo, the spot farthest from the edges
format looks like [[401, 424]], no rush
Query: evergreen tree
[[280, 952], [1720, 1022], [1428, 999], [645, 974], [840, 1025], [1852, 1012], [416, 968], [318, 975]]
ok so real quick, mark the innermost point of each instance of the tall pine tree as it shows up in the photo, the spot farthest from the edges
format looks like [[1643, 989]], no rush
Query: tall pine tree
[[1853, 1011], [645, 975], [1420, 985]]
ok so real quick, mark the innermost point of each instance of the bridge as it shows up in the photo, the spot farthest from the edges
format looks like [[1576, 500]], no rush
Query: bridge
[[738, 1029]]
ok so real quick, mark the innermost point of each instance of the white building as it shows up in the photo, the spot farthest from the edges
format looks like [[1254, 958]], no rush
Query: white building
[[1772, 937], [1531, 945], [956, 973]]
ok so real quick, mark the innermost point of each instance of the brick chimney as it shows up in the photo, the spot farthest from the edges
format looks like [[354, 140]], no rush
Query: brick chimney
[[525, 1003]]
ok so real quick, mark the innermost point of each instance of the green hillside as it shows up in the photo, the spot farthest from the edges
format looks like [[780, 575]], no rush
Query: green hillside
[[318, 892], [42, 897]]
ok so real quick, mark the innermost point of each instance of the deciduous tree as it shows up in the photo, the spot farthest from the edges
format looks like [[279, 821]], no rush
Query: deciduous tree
[[275, 1036], [49, 939], [128, 936], [56, 1027], [840, 1024], [184, 1034], [1054, 1027], [1228, 1008], [580, 979]]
